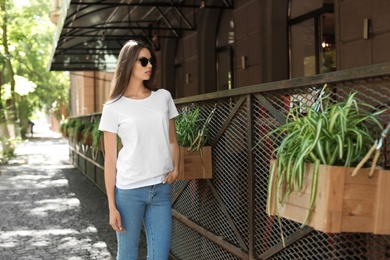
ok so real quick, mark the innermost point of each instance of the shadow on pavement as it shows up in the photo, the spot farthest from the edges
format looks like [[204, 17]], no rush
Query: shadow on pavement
[[49, 209]]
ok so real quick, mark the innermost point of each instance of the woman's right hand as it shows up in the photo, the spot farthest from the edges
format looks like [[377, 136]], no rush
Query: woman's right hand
[[116, 221]]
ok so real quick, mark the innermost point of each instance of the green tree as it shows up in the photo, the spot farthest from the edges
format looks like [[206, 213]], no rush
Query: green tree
[[26, 43], [30, 38], [6, 76]]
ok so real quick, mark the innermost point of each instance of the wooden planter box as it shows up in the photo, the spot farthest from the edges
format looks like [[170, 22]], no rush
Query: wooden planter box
[[88, 140], [195, 165], [79, 136], [344, 203]]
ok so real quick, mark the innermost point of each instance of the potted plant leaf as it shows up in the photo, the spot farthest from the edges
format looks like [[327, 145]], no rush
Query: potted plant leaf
[[64, 129], [97, 138], [194, 144], [87, 134], [310, 178], [79, 128], [71, 129]]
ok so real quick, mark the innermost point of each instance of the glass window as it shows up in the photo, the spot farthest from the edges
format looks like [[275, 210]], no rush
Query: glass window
[[312, 42], [225, 52], [179, 71], [328, 50], [300, 7], [303, 51]]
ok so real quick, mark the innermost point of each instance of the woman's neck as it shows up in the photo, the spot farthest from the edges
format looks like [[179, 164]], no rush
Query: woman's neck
[[136, 91]]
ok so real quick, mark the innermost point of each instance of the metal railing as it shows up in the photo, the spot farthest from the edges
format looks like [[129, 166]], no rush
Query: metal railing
[[224, 217]]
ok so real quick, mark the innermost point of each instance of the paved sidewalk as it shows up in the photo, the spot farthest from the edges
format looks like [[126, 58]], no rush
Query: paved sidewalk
[[49, 209]]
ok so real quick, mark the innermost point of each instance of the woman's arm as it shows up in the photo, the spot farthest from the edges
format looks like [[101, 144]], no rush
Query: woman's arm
[[172, 176], [110, 148]]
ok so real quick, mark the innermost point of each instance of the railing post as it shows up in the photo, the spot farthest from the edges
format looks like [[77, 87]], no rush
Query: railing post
[[251, 178]]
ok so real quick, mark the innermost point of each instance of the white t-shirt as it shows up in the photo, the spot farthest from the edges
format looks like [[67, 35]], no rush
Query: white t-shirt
[[143, 126]]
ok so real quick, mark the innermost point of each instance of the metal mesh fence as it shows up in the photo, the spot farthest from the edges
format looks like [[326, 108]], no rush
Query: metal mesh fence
[[223, 204]]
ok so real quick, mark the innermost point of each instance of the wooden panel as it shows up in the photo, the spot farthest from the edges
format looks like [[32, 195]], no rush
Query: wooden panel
[[382, 212], [330, 194], [195, 165], [298, 199], [294, 213], [358, 207], [358, 224]]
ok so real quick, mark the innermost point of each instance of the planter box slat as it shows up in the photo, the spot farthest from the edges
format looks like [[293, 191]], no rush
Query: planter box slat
[[358, 207], [357, 224], [298, 200], [195, 165], [382, 226], [344, 203]]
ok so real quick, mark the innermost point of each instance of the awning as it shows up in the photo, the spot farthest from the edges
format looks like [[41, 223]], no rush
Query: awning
[[91, 33]]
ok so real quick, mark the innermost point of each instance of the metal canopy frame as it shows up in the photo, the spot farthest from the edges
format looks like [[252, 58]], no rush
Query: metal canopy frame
[[91, 33]]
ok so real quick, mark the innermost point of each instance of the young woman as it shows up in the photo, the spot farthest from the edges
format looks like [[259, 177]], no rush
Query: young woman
[[138, 179]]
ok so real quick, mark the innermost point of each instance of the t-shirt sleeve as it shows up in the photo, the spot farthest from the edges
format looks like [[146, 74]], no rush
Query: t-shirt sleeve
[[108, 120], [172, 110]]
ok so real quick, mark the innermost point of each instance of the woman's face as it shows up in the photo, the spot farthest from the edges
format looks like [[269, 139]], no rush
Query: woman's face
[[142, 69]]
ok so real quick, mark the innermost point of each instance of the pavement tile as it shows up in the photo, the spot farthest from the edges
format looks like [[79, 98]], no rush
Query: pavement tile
[[49, 209]]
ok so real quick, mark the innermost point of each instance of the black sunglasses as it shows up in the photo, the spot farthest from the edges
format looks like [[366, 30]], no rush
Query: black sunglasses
[[144, 61]]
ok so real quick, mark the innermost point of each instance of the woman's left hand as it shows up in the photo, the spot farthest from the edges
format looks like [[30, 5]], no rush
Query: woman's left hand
[[171, 177]]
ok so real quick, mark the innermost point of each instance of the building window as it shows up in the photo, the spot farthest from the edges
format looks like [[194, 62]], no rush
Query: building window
[[225, 52], [179, 70], [312, 47]]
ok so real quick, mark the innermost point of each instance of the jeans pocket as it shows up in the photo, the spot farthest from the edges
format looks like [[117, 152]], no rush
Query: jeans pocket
[[165, 189]]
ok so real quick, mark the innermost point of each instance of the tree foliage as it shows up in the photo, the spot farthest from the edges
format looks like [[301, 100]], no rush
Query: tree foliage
[[30, 36]]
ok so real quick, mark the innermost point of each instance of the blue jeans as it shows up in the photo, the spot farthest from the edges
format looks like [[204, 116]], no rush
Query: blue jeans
[[151, 206]]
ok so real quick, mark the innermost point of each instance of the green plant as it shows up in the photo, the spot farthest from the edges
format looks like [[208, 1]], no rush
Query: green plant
[[191, 130], [63, 128], [80, 125], [71, 127], [79, 128], [331, 133], [66, 127], [87, 133], [96, 136]]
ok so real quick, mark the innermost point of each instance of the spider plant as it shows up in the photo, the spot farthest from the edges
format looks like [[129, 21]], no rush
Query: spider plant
[[78, 130], [64, 128], [87, 134], [96, 137], [330, 133], [191, 130]]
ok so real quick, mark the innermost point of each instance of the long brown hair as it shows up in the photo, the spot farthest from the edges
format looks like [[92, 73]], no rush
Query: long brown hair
[[127, 58]]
